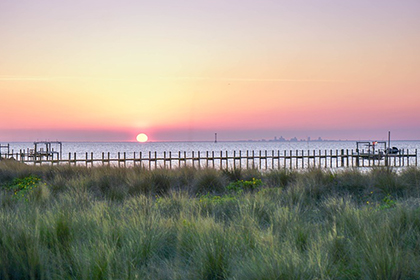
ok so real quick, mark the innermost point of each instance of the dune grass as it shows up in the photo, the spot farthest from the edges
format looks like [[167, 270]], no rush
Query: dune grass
[[65, 222]]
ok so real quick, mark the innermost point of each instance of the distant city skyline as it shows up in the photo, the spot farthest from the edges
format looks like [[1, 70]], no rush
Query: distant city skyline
[[184, 70], [207, 137]]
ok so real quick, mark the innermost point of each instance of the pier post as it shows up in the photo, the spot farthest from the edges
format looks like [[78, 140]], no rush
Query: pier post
[[284, 159], [150, 160], [266, 159], [403, 157], [164, 159], [331, 158], [155, 160], [309, 158], [395, 160], [336, 158], [221, 159], [314, 152], [408, 157], [140, 156], [272, 159], [357, 158], [347, 157], [319, 159], [227, 160]]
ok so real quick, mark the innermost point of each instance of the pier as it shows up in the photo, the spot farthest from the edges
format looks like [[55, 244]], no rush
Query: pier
[[262, 160]]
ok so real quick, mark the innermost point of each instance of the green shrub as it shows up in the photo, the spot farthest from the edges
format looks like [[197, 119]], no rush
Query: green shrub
[[280, 178], [23, 188], [209, 181], [239, 186]]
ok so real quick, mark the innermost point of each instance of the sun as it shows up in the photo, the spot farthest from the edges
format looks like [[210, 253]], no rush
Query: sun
[[142, 137]]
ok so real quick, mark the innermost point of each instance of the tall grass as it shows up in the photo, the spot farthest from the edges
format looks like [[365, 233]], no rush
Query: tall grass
[[131, 223]]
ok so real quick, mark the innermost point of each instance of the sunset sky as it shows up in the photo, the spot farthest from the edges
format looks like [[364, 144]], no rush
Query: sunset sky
[[182, 70]]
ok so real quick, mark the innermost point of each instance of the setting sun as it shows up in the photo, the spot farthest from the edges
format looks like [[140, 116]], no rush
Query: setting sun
[[142, 138]]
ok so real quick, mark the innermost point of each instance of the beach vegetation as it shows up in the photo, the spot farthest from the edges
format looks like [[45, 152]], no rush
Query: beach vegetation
[[61, 222]]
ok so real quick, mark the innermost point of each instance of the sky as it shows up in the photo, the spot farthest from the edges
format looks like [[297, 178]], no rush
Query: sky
[[178, 70]]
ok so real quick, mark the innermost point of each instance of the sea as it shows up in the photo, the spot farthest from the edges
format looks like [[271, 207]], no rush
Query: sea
[[113, 148]]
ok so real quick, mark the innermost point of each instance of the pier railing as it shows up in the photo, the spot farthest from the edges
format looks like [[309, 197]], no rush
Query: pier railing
[[264, 160]]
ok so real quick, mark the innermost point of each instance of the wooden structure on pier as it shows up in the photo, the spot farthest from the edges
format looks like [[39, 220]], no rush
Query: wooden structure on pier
[[4, 150], [375, 150], [47, 149], [43, 151]]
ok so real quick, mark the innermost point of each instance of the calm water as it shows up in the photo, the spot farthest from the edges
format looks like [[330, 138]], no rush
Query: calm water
[[81, 148]]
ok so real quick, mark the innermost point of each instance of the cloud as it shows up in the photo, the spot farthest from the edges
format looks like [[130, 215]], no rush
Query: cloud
[[23, 78], [254, 79], [42, 78]]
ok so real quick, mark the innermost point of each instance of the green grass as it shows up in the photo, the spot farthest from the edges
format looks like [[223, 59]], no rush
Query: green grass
[[131, 223]]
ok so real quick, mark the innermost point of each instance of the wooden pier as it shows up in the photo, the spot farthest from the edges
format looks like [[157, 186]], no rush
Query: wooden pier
[[262, 160]]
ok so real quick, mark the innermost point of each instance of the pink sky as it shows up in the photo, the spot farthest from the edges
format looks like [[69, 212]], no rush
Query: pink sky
[[183, 70]]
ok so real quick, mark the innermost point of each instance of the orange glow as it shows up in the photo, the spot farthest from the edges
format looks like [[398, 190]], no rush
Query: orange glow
[[262, 67]]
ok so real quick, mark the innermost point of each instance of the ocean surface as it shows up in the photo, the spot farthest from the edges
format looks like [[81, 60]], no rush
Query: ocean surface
[[97, 148]]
